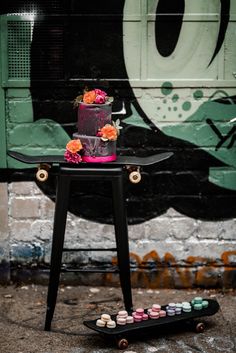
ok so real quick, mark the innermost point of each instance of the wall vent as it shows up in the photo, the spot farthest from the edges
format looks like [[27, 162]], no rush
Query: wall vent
[[19, 42]]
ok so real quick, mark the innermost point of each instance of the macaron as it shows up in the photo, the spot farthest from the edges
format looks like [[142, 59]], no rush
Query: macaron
[[187, 309], [105, 317], [145, 316], [154, 315], [111, 324], [121, 321], [197, 306], [171, 312], [156, 307], [140, 311], [123, 313], [162, 313], [129, 319], [205, 303], [100, 323], [178, 311], [197, 300], [137, 318]]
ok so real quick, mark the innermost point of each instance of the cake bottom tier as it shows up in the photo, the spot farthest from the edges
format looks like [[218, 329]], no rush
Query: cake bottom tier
[[95, 150]]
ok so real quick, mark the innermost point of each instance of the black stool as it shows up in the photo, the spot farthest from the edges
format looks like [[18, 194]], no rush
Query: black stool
[[89, 172]]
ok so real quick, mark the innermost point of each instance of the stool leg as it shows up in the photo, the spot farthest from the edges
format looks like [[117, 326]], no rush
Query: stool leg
[[121, 233], [60, 216]]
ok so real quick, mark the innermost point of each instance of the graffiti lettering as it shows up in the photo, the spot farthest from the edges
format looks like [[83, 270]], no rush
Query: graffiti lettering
[[168, 273], [223, 138]]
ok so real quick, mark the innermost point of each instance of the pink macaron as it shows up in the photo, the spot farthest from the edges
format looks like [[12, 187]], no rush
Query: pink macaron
[[137, 318], [145, 316], [121, 321], [140, 311], [154, 315], [162, 313], [122, 313], [156, 307]]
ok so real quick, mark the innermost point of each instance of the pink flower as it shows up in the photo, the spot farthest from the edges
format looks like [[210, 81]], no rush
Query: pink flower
[[99, 92], [100, 99], [72, 157]]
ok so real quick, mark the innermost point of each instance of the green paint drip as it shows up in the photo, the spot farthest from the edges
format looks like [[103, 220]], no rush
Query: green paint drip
[[166, 88]]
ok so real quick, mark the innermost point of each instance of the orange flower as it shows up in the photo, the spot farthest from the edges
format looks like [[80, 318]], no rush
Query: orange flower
[[74, 146], [89, 97], [109, 132]]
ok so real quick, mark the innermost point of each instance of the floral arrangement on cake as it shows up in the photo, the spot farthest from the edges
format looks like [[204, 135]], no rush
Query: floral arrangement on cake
[[72, 154], [95, 96]]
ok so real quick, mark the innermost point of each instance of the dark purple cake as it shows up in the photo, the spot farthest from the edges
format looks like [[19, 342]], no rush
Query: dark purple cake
[[96, 132]]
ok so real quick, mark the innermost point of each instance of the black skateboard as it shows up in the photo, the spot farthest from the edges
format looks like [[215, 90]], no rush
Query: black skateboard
[[131, 163], [121, 333]]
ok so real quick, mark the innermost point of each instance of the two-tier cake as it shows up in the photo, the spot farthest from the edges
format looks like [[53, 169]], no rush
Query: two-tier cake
[[96, 131]]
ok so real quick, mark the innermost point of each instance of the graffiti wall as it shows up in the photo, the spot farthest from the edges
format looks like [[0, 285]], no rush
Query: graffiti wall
[[170, 67]]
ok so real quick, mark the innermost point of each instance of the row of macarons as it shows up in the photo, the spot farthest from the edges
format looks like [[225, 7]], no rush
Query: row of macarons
[[155, 312]]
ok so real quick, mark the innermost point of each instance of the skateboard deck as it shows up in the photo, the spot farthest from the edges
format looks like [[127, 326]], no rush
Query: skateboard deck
[[120, 161], [131, 163], [121, 332]]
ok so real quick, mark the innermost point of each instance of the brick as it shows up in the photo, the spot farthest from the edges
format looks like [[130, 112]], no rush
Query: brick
[[25, 208], [228, 231], [157, 229], [137, 231], [22, 188], [21, 231], [47, 208], [210, 230], [42, 230], [182, 228]]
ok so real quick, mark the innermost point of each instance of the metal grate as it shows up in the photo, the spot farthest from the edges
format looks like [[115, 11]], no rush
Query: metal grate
[[19, 41], [36, 7]]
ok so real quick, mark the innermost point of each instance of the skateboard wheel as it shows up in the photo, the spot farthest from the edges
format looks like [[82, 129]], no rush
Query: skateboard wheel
[[135, 177], [122, 343], [200, 327], [41, 175]]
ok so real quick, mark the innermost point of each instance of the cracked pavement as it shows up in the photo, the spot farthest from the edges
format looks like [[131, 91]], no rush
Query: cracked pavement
[[22, 314]]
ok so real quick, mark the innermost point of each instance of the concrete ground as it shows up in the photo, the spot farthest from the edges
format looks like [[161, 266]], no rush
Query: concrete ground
[[22, 312]]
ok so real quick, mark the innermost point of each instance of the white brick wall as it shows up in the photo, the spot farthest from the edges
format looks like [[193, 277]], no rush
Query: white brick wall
[[30, 221]]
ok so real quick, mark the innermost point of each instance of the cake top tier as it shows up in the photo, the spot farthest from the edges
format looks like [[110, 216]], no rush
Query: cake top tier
[[92, 117]]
